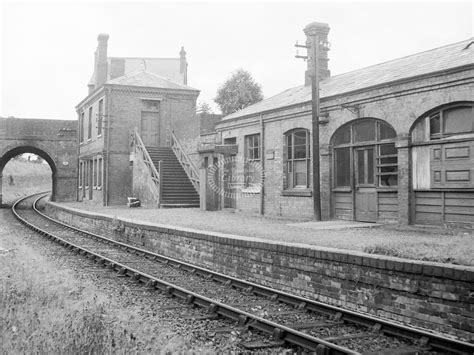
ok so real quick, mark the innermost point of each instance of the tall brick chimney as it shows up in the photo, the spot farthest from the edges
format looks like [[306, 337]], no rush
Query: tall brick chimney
[[183, 67], [321, 30], [101, 60]]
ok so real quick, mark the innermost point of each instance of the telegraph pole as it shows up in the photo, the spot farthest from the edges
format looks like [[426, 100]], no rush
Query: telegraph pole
[[312, 50]]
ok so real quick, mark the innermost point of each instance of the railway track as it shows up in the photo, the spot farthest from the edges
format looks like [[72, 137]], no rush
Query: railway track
[[274, 319]]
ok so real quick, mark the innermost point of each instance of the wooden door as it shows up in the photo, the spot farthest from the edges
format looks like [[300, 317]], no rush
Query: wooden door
[[365, 192], [150, 128], [228, 182]]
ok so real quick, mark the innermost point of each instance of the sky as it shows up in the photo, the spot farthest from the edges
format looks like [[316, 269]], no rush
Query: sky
[[47, 48]]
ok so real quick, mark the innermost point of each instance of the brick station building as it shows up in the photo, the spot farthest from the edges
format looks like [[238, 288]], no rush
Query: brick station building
[[149, 94], [396, 142]]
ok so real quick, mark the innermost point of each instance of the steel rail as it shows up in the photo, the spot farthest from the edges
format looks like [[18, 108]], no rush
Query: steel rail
[[278, 331], [427, 339]]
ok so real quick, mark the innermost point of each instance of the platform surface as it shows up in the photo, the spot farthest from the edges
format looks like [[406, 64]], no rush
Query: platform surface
[[412, 242]]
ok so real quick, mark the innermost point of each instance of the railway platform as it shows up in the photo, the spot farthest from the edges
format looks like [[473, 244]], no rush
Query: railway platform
[[411, 242]]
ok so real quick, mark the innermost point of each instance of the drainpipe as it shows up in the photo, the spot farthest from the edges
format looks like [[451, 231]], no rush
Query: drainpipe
[[262, 155], [106, 190], [78, 164]]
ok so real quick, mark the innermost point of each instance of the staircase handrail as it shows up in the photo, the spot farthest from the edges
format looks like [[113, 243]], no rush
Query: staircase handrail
[[154, 174], [185, 162]]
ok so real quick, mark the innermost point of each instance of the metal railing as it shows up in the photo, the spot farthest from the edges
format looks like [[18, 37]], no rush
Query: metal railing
[[155, 175], [185, 162]]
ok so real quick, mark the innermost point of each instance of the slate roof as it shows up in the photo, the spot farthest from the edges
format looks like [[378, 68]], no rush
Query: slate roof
[[168, 68], [142, 78], [438, 59]]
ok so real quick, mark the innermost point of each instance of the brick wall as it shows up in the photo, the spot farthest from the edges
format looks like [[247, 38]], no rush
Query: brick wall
[[423, 294], [400, 105], [142, 182], [53, 140], [124, 105]]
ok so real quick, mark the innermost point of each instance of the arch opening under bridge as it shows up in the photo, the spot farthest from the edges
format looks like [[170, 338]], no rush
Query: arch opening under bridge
[[53, 140]]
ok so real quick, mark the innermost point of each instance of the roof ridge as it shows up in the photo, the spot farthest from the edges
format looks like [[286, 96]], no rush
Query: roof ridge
[[404, 57], [166, 58], [119, 79]]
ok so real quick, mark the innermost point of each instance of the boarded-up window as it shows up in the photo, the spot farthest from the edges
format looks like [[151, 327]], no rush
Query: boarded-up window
[[442, 158]]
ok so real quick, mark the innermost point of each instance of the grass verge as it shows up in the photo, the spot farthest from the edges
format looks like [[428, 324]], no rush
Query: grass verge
[[45, 310]]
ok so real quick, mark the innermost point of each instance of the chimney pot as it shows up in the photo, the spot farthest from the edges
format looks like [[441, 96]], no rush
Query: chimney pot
[[321, 30]]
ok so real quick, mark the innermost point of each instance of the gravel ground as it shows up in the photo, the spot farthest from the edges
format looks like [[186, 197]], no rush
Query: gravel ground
[[155, 323], [420, 243]]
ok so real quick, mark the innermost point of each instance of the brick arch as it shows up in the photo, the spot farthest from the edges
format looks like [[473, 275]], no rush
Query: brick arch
[[348, 123], [14, 150]]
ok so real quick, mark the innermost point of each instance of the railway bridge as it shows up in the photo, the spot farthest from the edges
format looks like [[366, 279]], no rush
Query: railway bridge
[[53, 140]]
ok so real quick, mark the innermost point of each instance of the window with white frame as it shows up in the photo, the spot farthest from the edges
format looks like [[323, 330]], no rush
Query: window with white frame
[[297, 159], [252, 170]]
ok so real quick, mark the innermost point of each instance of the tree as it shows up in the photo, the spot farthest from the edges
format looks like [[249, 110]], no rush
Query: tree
[[238, 92], [204, 107]]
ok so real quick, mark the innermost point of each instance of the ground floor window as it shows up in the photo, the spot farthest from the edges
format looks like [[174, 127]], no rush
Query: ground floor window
[[297, 159], [90, 176], [252, 170]]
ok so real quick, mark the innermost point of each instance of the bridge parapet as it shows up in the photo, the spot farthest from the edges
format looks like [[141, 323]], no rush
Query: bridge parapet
[[53, 140]]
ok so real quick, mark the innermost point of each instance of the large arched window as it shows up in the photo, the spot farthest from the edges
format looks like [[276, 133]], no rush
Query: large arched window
[[365, 154], [444, 123], [442, 148], [296, 158]]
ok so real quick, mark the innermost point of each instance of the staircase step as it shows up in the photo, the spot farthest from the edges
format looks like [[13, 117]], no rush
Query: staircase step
[[179, 205], [177, 189]]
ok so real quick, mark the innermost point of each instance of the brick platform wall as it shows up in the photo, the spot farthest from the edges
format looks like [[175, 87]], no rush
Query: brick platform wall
[[423, 294]]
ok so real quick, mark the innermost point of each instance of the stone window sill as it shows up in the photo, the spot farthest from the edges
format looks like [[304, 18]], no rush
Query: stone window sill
[[297, 192]]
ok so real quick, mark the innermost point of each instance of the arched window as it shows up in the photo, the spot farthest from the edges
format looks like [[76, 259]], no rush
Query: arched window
[[444, 123], [442, 148], [296, 158], [365, 154]]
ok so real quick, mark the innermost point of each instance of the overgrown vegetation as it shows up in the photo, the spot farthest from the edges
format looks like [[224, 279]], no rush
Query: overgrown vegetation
[[36, 318], [22, 177], [44, 310]]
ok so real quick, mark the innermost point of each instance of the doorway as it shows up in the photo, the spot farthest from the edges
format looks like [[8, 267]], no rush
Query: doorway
[[230, 167], [365, 188], [150, 128], [365, 167]]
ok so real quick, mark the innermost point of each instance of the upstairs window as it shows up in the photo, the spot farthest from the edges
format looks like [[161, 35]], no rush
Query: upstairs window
[[100, 117], [89, 127], [81, 127], [151, 105]]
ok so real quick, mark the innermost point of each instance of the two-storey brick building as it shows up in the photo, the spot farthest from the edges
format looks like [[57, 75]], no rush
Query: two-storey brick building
[[396, 142], [147, 94]]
